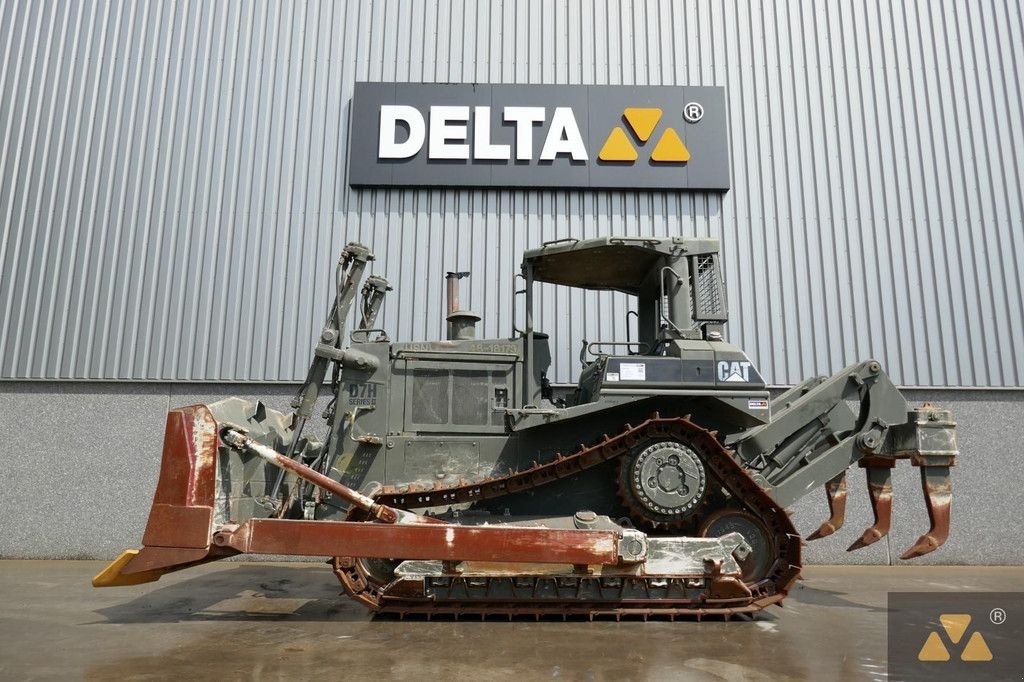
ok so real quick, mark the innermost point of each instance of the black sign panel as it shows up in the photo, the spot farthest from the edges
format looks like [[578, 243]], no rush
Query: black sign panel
[[579, 136]]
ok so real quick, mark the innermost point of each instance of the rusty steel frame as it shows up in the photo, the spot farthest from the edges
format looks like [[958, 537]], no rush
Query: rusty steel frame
[[448, 542]]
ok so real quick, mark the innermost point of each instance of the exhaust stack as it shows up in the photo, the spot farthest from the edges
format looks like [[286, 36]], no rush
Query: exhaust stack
[[461, 323]]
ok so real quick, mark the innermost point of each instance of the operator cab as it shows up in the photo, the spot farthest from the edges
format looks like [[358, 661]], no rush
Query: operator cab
[[681, 312]]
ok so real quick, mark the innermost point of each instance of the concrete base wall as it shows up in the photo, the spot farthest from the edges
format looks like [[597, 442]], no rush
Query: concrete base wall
[[80, 463]]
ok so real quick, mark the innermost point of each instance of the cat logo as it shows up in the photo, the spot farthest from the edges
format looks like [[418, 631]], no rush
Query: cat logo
[[738, 371], [955, 626], [642, 121]]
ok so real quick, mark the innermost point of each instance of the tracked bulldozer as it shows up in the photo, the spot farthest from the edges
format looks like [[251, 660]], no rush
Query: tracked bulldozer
[[455, 478]]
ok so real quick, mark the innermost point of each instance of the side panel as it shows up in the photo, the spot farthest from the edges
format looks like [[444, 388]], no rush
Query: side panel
[[365, 404]]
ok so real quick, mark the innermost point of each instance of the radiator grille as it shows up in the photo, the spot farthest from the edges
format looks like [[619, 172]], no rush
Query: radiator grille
[[430, 396]]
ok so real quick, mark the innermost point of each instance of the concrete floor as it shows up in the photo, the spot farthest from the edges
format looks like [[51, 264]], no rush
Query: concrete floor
[[238, 621]]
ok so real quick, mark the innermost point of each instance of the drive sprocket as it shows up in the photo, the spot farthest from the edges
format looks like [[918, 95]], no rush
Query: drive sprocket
[[662, 484]]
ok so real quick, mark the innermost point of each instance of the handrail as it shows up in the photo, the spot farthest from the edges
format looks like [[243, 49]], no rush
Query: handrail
[[410, 354], [641, 345], [383, 338], [516, 292], [552, 242], [588, 347], [638, 240]]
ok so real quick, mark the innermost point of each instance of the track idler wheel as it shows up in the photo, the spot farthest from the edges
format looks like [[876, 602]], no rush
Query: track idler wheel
[[364, 579]]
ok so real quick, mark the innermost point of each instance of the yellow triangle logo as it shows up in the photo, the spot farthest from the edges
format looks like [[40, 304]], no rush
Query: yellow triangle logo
[[933, 649], [670, 149], [976, 649], [642, 121], [617, 147], [955, 625]]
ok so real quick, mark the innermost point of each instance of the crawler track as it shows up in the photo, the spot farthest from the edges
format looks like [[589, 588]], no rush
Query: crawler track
[[585, 595]]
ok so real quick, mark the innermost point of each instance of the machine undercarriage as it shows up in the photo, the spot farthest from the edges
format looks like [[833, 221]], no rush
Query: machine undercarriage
[[453, 479]]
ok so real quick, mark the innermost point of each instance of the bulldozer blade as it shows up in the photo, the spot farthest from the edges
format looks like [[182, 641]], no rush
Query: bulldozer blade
[[880, 491], [835, 490], [938, 497], [178, 532]]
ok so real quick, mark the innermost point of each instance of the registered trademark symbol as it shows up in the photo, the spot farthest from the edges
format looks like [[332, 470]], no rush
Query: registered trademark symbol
[[693, 112], [997, 616]]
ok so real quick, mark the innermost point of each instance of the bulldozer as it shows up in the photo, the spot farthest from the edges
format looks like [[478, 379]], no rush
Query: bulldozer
[[455, 478]]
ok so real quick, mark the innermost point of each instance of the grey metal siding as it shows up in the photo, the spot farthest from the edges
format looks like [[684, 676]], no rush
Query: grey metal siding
[[173, 190]]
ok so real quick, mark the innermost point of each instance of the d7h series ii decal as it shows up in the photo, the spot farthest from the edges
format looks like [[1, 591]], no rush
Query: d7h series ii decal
[[361, 394], [581, 136]]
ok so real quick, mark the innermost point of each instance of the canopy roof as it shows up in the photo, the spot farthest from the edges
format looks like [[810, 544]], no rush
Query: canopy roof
[[608, 263]]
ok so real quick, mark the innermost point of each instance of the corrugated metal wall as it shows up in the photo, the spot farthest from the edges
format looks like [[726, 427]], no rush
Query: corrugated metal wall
[[173, 179]]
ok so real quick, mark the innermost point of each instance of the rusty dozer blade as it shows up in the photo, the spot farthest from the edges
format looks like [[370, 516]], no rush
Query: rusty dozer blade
[[194, 521], [879, 478], [938, 495], [835, 490], [181, 519]]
